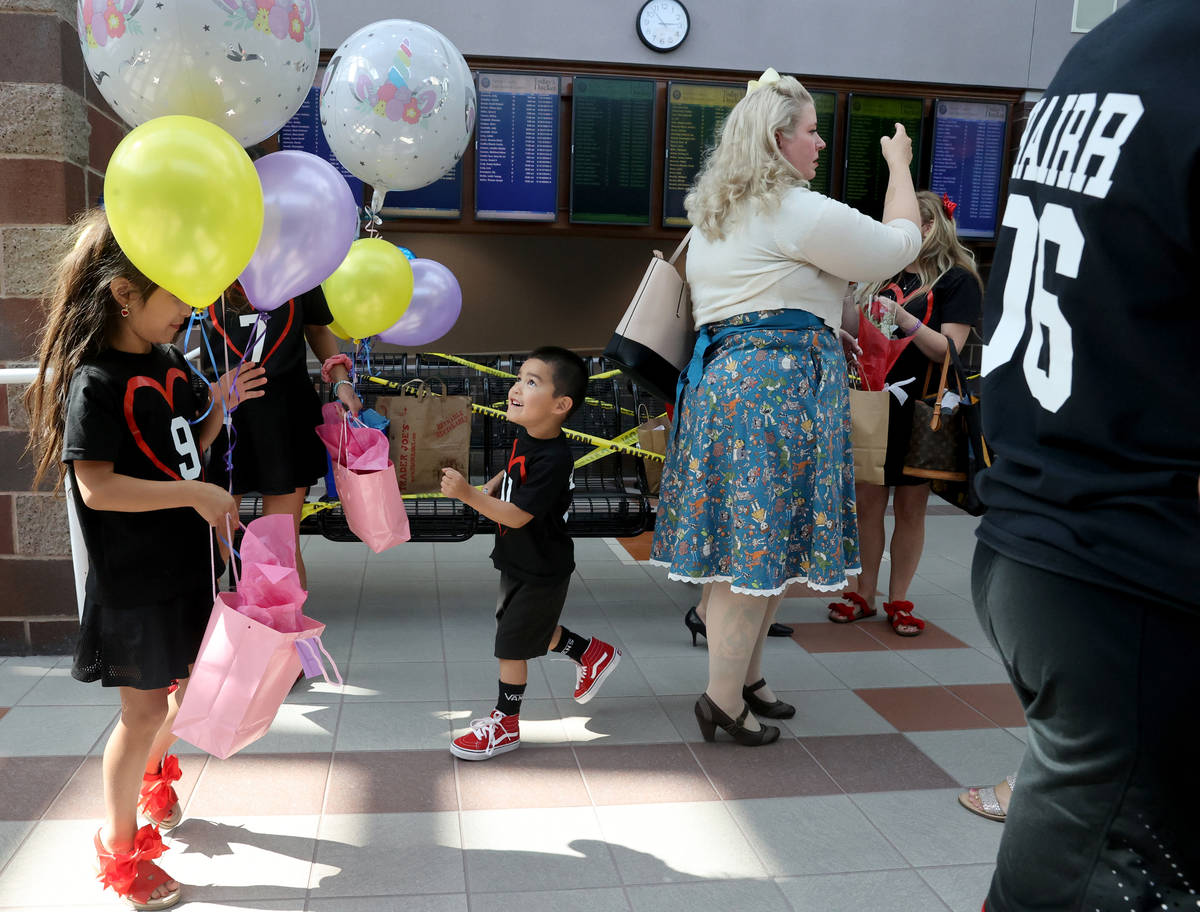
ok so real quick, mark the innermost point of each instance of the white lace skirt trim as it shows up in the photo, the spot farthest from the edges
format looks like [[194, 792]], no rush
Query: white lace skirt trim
[[741, 590]]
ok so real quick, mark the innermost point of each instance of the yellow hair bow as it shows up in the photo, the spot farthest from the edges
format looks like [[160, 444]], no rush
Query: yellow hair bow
[[769, 77]]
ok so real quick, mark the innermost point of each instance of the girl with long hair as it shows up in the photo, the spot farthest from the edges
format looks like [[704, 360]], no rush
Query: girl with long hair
[[941, 297], [113, 412]]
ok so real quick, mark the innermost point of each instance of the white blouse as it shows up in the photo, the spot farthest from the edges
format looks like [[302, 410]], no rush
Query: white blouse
[[800, 255]]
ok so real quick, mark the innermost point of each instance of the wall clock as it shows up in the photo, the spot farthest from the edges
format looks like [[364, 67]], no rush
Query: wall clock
[[663, 24]]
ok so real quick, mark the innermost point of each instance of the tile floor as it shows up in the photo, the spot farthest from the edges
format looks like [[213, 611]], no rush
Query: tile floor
[[352, 802]]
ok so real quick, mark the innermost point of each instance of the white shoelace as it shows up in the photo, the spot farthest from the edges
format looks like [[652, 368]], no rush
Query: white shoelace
[[482, 728]]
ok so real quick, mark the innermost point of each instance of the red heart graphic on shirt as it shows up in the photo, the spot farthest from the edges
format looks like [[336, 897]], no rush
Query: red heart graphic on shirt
[[291, 306], [136, 383]]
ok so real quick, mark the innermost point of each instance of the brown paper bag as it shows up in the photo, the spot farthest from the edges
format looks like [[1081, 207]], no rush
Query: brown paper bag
[[869, 434], [653, 434], [427, 433]]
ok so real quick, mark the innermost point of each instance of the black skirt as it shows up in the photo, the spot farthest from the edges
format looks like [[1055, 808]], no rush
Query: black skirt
[[140, 646], [276, 449]]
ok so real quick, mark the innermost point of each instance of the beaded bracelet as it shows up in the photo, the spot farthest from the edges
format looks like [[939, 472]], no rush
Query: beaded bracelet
[[338, 384], [330, 363]]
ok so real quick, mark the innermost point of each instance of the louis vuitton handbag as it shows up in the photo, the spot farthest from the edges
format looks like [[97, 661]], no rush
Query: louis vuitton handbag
[[654, 339]]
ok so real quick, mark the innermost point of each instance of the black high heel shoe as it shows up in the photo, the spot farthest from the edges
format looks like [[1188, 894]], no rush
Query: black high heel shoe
[[776, 710], [696, 626], [709, 716]]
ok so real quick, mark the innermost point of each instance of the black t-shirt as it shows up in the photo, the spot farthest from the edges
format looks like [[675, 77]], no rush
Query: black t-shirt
[[1093, 413], [132, 410], [957, 298], [538, 479], [278, 345]]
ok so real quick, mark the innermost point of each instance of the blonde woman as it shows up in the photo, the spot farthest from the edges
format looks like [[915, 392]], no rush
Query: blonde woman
[[941, 297], [757, 491]]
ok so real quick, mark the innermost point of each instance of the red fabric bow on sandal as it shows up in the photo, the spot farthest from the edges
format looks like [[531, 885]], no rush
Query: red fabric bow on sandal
[[133, 875], [157, 800]]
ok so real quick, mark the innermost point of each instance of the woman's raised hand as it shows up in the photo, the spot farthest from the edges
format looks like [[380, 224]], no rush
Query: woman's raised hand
[[897, 150]]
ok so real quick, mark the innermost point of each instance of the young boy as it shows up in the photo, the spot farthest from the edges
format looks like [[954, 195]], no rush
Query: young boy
[[529, 501]]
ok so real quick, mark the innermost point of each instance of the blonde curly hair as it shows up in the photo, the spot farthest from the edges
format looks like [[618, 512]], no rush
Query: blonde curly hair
[[746, 164]]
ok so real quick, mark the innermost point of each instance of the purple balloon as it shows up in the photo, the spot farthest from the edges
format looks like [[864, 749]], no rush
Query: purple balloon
[[309, 222], [436, 304]]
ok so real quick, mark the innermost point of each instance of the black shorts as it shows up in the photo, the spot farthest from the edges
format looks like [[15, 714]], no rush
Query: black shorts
[[526, 615], [1104, 812]]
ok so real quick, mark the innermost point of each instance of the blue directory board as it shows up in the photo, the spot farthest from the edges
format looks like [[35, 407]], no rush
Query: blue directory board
[[441, 199], [516, 147], [303, 134], [968, 153]]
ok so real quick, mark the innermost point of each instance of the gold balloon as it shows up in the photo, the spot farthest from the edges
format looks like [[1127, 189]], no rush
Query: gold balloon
[[185, 204], [371, 289]]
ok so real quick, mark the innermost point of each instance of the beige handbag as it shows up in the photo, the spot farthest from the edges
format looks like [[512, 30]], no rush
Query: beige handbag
[[654, 339]]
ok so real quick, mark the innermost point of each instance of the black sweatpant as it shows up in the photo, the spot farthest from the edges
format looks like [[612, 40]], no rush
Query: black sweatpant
[[1106, 812]]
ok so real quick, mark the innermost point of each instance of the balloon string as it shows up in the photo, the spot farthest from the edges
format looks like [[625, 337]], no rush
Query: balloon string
[[187, 335], [371, 219]]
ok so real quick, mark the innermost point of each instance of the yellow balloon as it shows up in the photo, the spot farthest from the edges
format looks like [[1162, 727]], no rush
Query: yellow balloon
[[185, 204], [336, 329], [372, 288]]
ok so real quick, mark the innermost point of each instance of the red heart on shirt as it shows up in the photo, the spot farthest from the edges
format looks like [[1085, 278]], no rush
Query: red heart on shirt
[[291, 306], [168, 393]]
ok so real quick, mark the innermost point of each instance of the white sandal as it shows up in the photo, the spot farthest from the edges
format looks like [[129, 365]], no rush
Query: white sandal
[[989, 805]]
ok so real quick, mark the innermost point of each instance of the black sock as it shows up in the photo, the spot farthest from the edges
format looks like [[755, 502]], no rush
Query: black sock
[[572, 645], [509, 701]]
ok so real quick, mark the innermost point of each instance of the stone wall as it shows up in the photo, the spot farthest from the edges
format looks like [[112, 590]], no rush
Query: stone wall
[[56, 134]]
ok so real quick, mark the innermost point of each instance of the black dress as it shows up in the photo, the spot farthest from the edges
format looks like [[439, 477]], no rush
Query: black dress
[[956, 299], [150, 577], [276, 449]]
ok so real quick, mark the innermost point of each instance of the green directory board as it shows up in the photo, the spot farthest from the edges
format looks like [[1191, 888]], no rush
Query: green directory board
[[826, 106], [869, 117], [695, 114], [612, 143]]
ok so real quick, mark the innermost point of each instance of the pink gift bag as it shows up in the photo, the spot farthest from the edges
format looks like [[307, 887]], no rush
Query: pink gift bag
[[241, 677], [365, 480], [256, 643]]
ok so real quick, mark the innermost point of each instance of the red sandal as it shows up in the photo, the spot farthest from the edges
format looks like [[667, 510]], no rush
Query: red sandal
[[132, 875], [841, 613], [900, 614], [157, 799]]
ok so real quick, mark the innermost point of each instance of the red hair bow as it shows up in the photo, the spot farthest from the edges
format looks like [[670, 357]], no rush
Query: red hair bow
[[948, 206]]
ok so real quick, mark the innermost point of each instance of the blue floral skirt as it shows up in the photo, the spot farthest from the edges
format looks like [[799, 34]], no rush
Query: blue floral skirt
[[758, 485]]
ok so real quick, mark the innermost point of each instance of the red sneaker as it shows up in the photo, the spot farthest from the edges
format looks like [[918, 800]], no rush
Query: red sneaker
[[497, 734], [599, 659]]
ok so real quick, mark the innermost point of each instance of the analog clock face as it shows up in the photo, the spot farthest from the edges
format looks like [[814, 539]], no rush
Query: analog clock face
[[662, 24]]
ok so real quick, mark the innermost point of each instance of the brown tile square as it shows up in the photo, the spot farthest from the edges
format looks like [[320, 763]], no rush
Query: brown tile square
[[529, 777], [877, 763], [638, 546], [996, 701], [29, 784], [40, 588], [106, 133], [826, 636], [391, 782], [261, 784], [38, 191], [780, 770], [83, 797], [643, 774], [19, 319], [932, 637], [923, 708]]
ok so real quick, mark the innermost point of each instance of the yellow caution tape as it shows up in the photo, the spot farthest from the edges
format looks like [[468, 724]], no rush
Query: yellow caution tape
[[495, 372], [598, 442]]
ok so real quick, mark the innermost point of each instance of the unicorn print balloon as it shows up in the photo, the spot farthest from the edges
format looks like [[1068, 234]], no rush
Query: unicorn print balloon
[[398, 104]]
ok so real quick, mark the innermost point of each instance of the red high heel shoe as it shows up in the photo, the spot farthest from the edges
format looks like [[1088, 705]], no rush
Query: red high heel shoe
[[132, 875], [157, 799]]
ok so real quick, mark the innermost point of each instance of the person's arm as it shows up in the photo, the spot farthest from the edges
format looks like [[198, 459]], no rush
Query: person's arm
[[324, 345], [900, 201], [493, 483], [103, 489], [234, 386], [502, 512], [930, 341]]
